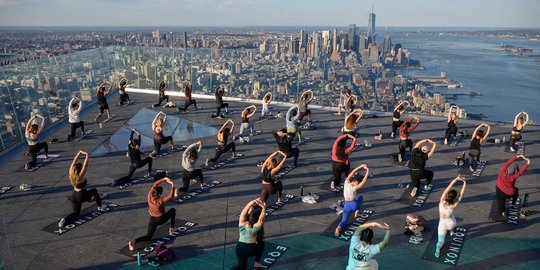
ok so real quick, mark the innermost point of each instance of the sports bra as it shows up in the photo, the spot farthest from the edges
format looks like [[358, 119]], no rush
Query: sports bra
[[32, 140], [515, 129], [445, 211], [267, 175], [396, 114]]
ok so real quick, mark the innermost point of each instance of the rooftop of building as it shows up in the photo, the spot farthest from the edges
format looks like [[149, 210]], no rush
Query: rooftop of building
[[297, 225]]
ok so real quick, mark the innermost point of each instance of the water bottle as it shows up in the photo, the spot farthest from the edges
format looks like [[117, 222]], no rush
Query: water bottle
[[525, 200], [138, 258], [504, 139], [100, 125], [365, 143], [302, 191]]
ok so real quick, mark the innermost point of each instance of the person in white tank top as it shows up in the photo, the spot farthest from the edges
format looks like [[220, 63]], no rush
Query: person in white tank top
[[353, 202], [448, 202]]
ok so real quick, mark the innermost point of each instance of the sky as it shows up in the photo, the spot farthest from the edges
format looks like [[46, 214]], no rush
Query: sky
[[405, 13]]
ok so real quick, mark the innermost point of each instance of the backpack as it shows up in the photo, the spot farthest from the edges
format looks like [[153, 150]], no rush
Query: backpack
[[164, 255]]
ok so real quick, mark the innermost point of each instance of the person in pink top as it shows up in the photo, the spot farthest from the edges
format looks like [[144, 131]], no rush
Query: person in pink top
[[506, 182], [156, 209], [340, 159]]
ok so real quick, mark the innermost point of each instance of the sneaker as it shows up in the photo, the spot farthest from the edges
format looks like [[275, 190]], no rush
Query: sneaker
[[503, 214], [148, 175], [446, 141], [61, 223], [27, 167], [512, 149], [206, 163], [332, 185], [176, 193], [452, 233], [413, 192], [471, 168], [427, 187], [338, 231], [399, 158], [103, 207], [437, 252]]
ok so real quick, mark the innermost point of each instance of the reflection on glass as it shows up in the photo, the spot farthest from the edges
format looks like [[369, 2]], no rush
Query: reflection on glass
[[181, 129]]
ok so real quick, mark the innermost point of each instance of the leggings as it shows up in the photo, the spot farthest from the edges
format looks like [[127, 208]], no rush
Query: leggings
[[123, 98], [417, 175], [450, 132], [154, 222], [264, 110], [188, 175], [501, 199], [445, 225], [243, 127], [302, 114], [34, 150], [158, 143], [395, 125], [339, 168], [269, 189], [245, 250], [162, 98], [403, 144], [348, 208], [187, 103], [74, 127], [221, 149], [474, 155], [77, 198], [219, 107], [294, 153], [135, 166], [514, 139]]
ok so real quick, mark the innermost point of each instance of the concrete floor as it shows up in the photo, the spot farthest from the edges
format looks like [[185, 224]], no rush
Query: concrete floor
[[210, 245]]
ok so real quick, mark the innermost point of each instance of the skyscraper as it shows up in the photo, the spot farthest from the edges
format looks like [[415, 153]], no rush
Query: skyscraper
[[303, 38], [362, 42], [185, 40], [371, 27], [316, 44], [326, 41], [352, 37], [335, 40], [387, 44]]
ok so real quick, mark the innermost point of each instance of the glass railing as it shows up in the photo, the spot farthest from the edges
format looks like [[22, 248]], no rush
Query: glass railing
[[45, 86]]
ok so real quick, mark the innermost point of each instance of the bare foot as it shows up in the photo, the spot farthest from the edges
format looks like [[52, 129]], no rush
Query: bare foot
[[356, 213], [172, 231], [130, 246], [258, 265], [279, 200]]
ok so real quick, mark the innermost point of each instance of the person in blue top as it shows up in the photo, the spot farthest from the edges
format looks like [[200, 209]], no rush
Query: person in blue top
[[250, 242], [361, 251], [291, 122]]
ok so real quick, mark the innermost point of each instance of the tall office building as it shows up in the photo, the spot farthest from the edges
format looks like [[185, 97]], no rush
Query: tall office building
[[326, 41], [352, 37], [371, 27], [334, 40], [303, 38], [316, 44], [362, 43], [387, 44], [185, 40]]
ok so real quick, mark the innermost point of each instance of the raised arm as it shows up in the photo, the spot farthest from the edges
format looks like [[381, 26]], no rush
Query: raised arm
[[360, 113], [254, 108], [110, 88], [419, 143], [29, 123], [386, 239], [262, 204], [268, 160], [433, 147], [351, 175], [42, 124], [488, 129], [516, 118], [475, 131], [244, 213], [448, 188], [281, 163], [417, 122]]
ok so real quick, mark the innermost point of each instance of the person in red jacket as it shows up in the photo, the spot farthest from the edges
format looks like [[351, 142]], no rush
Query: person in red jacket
[[404, 131], [156, 209], [506, 182], [340, 159]]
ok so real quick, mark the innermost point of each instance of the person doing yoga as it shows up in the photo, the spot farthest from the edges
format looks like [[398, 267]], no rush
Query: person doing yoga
[[135, 154], [353, 201], [220, 91], [246, 115], [453, 119], [340, 159], [351, 122], [161, 95], [404, 132], [398, 111], [31, 134], [189, 100], [269, 169], [123, 97], [224, 133], [343, 97], [479, 136], [250, 225], [350, 105], [102, 94], [284, 142], [267, 99], [189, 163], [417, 165], [520, 121], [80, 194], [290, 122], [506, 182], [156, 210], [74, 110], [361, 251], [306, 98], [447, 204], [158, 124]]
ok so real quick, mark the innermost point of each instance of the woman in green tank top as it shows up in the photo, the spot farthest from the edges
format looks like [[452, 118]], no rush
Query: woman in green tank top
[[250, 226]]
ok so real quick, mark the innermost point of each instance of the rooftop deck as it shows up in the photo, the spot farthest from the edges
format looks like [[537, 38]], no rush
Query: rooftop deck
[[297, 225]]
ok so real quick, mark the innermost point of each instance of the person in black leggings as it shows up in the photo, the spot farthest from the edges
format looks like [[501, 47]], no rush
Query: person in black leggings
[[157, 127], [452, 121], [189, 100], [134, 153], [250, 242], [102, 94], [74, 109], [340, 159], [123, 97], [417, 165], [269, 169], [223, 147], [189, 162], [479, 136], [398, 111], [162, 96], [34, 146], [80, 194], [156, 209], [219, 102], [284, 142], [404, 132], [520, 121]]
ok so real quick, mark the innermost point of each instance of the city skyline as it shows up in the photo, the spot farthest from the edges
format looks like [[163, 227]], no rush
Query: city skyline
[[409, 13]]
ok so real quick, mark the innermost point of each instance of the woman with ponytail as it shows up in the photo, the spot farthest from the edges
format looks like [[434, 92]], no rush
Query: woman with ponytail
[[250, 242], [361, 251]]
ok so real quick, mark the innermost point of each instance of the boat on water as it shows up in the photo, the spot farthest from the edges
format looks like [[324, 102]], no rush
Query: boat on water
[[454, 85]]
